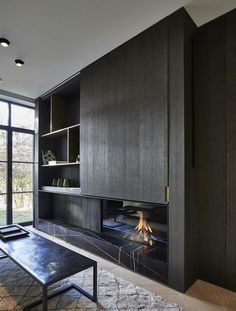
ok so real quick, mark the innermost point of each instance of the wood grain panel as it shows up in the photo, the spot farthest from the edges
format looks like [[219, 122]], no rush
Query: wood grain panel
[[231, 149], [58, 113], [124, 120], [211, 146], [73, 144], [78, 211], [191, 207], [176, 152]]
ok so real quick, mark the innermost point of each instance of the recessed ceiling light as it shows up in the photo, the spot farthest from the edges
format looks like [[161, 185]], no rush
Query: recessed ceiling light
[[4, 42], [19, 62]]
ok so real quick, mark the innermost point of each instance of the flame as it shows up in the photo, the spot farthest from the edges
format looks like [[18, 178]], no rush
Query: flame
[[144, 229]]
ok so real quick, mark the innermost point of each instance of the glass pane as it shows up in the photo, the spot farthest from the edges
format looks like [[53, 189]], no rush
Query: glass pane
[[22, 207], [22, 177], [4, 113], [22, 147], [22, 117], [3, 178], [3, 145], [3, 208]]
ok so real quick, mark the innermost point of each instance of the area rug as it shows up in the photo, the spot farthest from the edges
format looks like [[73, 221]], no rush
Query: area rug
[[18, 289]]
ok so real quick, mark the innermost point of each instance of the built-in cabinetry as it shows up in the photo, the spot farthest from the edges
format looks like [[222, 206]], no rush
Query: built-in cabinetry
[[65, 142], [58, 130], [215, 98], [135, 142], [136, 131]]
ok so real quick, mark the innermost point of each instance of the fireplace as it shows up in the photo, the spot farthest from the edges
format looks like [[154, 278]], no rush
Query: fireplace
[[143, 223], [131, 234]]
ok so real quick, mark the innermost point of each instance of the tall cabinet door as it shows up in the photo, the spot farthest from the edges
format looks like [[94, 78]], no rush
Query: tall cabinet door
[[124, 120], [231, 149], [211, 146]]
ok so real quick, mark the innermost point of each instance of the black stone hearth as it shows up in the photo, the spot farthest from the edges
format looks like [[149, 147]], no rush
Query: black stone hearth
[[141, 258]]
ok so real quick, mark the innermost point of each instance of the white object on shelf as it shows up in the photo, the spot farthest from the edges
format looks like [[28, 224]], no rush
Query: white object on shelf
[[62, 164], [56, 162]]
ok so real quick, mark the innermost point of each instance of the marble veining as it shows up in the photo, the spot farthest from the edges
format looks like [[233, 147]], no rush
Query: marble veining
[[138, 258]]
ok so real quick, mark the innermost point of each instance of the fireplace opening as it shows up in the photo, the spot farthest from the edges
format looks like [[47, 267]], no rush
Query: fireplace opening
[[144, 223]]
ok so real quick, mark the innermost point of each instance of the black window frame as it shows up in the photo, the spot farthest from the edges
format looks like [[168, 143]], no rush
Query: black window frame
[[10, 129]]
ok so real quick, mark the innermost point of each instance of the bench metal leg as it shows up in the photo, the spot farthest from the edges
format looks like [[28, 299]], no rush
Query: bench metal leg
[[43, 301], [46, 296], [95, 282], [86, 294]]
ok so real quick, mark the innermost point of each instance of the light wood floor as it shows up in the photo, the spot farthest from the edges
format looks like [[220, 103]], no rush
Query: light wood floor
[[202, 296]]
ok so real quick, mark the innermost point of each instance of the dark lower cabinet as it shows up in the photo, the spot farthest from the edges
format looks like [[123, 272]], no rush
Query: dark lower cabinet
[[215, 99], [124, 120]]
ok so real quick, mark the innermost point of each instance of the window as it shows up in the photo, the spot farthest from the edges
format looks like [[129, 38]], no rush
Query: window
[[4, 113], [22, 117], [16, 163]]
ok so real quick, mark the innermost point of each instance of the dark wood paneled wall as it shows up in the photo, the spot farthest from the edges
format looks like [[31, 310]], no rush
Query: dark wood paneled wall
[[216, 149], [210, 162], [136, 131], [78, 211], [124, 120], [191, 207], [182, 208], [231, 149], [176, 153], [72, 210]]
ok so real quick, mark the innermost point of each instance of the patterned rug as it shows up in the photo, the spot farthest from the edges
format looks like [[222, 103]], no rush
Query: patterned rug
[[18, 289]]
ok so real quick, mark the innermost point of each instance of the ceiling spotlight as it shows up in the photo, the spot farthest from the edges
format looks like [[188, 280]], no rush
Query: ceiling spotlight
[[4, 42], [19, 62]]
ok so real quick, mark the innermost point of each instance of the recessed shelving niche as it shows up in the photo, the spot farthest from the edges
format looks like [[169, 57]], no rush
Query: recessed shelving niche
[[59, 131], [65, 143]]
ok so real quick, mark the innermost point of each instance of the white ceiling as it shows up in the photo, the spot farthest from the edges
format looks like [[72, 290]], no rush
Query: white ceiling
[[57, 38]]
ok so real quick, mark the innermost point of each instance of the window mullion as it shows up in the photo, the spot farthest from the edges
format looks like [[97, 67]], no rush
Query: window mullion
[[9, 178], [9, 170]]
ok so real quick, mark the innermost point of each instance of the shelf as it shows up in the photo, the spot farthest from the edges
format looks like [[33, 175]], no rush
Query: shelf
[[61, 164], [62, 190], [58, 132]]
